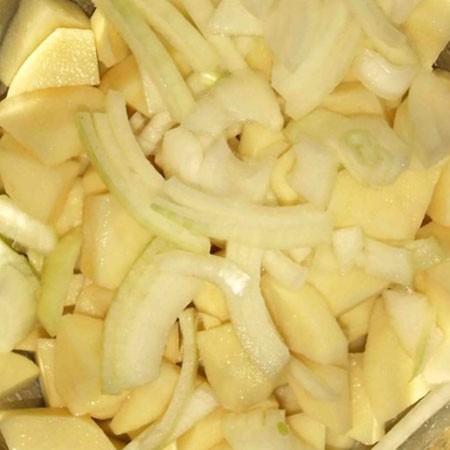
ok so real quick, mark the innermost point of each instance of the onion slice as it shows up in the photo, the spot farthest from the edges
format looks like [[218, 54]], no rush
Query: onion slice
[[249, 315], [151, 55], [20, 227], [139, 321], [124, 178], [157, 435]]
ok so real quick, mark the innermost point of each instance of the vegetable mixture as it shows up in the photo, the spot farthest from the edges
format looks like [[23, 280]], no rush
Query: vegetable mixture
[[225, 224]]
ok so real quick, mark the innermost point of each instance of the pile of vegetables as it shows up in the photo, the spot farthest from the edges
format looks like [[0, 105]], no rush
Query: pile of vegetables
[[225, 224]]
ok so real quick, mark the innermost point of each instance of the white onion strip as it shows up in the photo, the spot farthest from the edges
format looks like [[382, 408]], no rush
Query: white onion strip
[[253, 325], [157, 435]]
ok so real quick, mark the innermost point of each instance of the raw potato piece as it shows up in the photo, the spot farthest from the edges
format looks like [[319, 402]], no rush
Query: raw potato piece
[[112, 240], [55, 429], [428, 29], [67, 57], [439, 207], [33, 22], [111, 48], [391, 212], [305, 321], [45, 355], [125, 77], [37, 189], [308, 429], [44, 121], [17, 371], [146, 403], [335, 412], [365, 426], [205, 434], [388, 370], [235, 379], [77, 367]]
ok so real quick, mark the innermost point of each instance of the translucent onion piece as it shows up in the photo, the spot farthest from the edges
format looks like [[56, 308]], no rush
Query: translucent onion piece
[[126, 183], [291, 30], [325, 65], [150, 54], [384, 79], [231, 18], [23, 229], [202, 402], [284, 269], [132, 152], [366, 145], [250, 224], [384, 35], [200, 12], [167, 20], [159, 434], [310, 381], [242, 97], [249, 315], [139, 321], [56, 276]]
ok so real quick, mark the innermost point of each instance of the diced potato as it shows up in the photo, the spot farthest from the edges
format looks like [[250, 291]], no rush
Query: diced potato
[[92, 183], [45, 356], [94, 300], [78, 367], [285, 193], [353, 98], [335, 413], [38, 190], [305, 322], [56, 276], [428, 29], [44, 121], [17, 371], [341, 291], [112, 240], [205, 434], [30, 341], [33, 22], [209, 299], [125, 77], [366, 428], [388, 370], [355, 322], [71, 214], [52, 428], [439, 207], [286, 399], [146, 403], [257, 141], [172, 351], [308, 429], [440, 232], [111, 48], [67, 57], [235, 379], [392, 212]]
